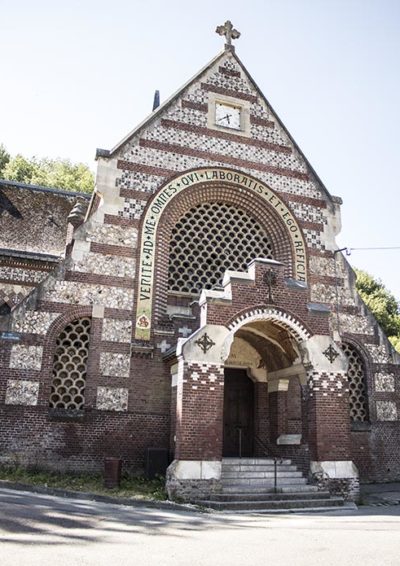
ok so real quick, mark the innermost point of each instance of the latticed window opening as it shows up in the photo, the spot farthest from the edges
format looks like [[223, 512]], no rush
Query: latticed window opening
[[209, 239], [357, 384], [70, 366]]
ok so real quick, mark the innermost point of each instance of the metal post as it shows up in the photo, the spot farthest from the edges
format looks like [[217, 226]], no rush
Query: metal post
[[275, 474], [240, 442]]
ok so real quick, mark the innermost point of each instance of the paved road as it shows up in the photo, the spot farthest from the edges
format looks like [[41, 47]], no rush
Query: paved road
[[43, 530]]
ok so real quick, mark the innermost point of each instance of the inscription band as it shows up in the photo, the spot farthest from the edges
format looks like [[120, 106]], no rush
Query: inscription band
[[164, 197]]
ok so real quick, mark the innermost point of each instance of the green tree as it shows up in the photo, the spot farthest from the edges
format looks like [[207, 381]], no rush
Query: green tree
[[19, 169], [395, 340], [382, 303], [57, 173], [4, 159]]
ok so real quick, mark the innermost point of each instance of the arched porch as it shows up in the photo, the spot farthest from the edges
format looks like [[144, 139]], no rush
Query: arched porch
[[290, 377]]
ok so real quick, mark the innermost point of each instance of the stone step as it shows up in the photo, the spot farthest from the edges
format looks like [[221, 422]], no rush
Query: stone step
[[297, 504], [265, 487], [293, 488], [255, 461], [269, 496], [257, 468], [243, 482], [261, 475]]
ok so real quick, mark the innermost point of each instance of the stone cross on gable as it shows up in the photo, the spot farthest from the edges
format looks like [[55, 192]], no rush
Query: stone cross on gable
[[228, 31]]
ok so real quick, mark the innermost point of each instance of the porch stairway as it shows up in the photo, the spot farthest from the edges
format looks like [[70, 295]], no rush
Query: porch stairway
[[248, 484]]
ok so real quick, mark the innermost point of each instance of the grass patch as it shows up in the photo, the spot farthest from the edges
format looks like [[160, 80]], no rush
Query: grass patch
[[131, 487]]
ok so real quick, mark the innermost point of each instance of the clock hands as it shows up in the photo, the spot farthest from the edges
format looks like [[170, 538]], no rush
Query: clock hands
[[226, 117]]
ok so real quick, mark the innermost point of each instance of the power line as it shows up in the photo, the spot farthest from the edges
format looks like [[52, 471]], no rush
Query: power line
[[377, 248], [349, 250]]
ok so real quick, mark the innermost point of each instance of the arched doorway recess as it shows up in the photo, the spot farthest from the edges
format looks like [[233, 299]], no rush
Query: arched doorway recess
[[263, 401]]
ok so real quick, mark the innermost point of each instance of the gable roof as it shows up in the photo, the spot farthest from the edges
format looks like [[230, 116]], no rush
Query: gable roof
[[33, 219], [154, 115], [159, 111]]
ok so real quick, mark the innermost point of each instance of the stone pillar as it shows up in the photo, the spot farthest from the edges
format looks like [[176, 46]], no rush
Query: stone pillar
[[196, 470], [277, 401], [329, 418], [261, 417]]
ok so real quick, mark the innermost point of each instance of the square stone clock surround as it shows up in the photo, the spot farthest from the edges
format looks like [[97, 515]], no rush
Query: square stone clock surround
[[244, 105]]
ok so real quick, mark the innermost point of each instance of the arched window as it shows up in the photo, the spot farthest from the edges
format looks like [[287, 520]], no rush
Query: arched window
[[4, 309], [70, 366], [357, 384], [209, 239]]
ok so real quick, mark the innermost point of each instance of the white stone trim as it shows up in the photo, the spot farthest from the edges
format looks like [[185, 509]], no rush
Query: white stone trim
[[335, 469], [214, 98], [289, 439], [98, 311], [278, 385], [292, 371], [197, 469]]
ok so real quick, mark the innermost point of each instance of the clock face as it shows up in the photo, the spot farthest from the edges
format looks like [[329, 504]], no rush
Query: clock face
[[227, 116]]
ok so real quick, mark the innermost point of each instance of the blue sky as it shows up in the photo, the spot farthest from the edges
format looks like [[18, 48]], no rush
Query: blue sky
[[80, 75]]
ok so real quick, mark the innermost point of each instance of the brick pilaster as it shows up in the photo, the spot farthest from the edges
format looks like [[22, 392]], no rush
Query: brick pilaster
[[328, 416], [199, 418]]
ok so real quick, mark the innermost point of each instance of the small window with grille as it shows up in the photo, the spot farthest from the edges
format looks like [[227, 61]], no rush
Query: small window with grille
[[208, 240], [70, 366], [357, 384]]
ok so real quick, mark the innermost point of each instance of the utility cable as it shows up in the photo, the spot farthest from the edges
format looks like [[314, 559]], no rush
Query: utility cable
[[378, 248]]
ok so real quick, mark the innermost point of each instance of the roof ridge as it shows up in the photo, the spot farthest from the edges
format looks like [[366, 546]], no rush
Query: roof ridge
[[40, 188], [168, 101]]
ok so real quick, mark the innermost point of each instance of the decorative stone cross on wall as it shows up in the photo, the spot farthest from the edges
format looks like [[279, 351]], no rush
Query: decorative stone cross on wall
[[205, 343], [185, 331], [228, 31], [270, 281], [164, 346], [331, 354]]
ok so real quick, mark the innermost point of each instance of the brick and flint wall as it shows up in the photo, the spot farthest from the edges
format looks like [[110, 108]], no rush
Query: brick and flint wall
[[128, 385]]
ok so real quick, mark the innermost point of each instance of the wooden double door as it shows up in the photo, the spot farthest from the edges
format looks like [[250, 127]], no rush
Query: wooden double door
[[238, 414]]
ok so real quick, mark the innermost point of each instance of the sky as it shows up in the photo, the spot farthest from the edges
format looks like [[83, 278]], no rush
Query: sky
[[79, 75]]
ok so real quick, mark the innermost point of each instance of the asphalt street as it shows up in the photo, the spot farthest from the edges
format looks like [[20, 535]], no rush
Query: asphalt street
[[43, 529]]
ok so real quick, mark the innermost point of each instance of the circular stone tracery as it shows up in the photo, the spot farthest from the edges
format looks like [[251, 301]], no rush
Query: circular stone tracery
[[357, 386], [69, 366], [209, 239]]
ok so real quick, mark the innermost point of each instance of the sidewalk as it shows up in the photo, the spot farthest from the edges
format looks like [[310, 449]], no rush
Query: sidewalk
[[380, 493]]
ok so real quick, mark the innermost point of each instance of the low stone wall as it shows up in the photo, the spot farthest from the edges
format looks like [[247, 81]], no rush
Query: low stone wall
[[189, 489], [339, 478]]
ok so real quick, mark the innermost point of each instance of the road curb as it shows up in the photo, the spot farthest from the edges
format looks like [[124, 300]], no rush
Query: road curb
[[110, 499]]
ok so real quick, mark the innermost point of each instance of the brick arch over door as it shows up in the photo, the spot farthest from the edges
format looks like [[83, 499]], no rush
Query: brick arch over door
[[272, 215], [282, 318]]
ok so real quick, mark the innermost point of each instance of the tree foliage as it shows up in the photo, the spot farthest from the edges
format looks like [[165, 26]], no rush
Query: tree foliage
[[4, 159], [382, 303], [58, 173]]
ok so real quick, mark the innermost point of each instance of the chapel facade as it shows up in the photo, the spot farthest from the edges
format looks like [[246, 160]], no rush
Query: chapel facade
[[203, 308]]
